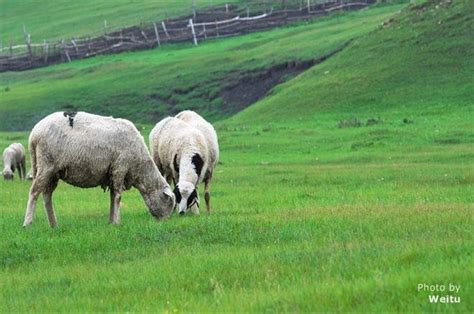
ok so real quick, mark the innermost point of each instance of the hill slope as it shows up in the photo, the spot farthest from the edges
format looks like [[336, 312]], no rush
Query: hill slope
[[144, 86], [423, 60], [54, 20]]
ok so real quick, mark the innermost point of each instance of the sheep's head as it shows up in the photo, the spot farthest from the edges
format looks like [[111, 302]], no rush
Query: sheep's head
[[155, 191], [160, 202], [7, 174], [187, 197]]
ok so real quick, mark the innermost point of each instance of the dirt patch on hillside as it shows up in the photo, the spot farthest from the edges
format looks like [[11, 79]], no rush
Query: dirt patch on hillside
[[253, 86], [228, 94]]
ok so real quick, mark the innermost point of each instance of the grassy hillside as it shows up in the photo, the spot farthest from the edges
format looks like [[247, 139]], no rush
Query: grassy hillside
[[62, 19], [144, 86], [421, 61], [343, 190]]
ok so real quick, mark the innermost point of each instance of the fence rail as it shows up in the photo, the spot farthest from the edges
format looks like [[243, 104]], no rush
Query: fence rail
[[226, 21]]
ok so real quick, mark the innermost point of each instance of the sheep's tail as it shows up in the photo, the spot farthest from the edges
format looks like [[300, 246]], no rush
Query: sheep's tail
[[33, 158]]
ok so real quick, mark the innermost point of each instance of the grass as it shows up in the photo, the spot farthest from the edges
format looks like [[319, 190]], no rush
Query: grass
[[307, 216], [419, 63], [54, 20], [174, 77], [324, 227]]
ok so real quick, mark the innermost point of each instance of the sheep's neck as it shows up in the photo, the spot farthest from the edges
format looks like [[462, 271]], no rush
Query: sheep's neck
[[148, 177], [187, 171], [7, 164]]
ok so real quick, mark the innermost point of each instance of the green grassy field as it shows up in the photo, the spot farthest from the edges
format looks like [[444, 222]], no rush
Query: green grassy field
[[54, 20], [308, 216]]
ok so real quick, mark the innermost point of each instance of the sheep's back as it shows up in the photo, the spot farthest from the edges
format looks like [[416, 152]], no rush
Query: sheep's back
[[173, 137], [206, 129], [85, 151]]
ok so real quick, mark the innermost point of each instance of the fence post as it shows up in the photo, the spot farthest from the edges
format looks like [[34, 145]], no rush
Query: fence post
[[88, 44], [105, 27], [65, 50], [28, 42], [105, 34], [204, 30], [73, 41], [192, 30], [157, 35], [309, 6], [45, 51], [226, 8], [144, 36], [164, 29]]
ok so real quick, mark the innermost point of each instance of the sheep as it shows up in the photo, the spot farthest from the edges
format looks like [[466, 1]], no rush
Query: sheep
[[87, 150], [209, 133], [14, 158], [180, 153]]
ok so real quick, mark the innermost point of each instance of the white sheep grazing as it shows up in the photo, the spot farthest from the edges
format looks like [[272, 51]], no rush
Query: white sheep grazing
[[14, 159], [87, 150], [210, 134], [180, 152]]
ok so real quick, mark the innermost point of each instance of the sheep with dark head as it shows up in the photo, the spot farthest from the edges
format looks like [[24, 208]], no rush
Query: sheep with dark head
[[92, 151], [181, 154], [14, 159]]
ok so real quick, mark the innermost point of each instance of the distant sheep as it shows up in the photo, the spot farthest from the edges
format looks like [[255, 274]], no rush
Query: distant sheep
[[210, 134], [180, 152], [14, 159], [88, 150]]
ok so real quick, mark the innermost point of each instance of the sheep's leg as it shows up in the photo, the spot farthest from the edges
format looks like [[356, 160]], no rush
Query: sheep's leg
[[114, 217], [31, 207], [23, 169], [207, 194], [48, 203], [43, 182], [18, 167]]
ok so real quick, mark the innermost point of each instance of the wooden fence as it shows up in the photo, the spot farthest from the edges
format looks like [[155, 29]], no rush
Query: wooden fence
[[229, 20]]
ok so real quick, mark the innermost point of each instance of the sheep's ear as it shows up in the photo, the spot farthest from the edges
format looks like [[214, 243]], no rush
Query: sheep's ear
[[175, 163], [177, 194], [198, 163]]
